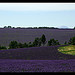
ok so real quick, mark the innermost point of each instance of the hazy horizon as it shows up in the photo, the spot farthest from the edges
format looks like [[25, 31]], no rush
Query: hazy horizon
[[60, 15]]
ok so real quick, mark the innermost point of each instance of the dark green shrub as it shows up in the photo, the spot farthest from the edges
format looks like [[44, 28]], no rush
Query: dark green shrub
[[37, 42], [65, 42], [72, 41], [43, 39], [25, 45], [20, 45], [2, 47], [53, 42], [30, 44], [13, 45]]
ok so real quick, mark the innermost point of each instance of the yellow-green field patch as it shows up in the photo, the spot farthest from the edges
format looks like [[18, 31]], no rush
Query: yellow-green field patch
[[67, 49]]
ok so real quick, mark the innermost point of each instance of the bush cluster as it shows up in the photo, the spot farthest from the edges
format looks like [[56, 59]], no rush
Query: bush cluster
[[2, 47], [53, 42], [72, 41], [37, 43]]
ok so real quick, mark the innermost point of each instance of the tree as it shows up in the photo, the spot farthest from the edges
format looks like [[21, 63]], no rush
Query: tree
[[43, 39], [9, 26], [72, 41], [13, 45], [53, 42], [13, 27], [29, 44], [5, 26], [2, 47], [74, 27], [37, 42], [25, 45], [65, 42], [57, 43], [20, 45]]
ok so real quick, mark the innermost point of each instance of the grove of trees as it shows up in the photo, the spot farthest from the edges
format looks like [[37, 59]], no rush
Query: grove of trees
[[38, 41], [53, 42], [31, 27]]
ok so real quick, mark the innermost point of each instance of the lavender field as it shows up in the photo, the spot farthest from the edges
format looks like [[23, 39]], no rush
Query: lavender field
[[35, 53], [37, 37], [35, 59], [27, 35], [37, 65]]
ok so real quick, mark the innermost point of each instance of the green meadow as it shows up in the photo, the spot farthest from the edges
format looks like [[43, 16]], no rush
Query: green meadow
[[67, 49]]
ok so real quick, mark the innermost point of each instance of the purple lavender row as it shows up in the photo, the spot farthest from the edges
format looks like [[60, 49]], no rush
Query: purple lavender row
[[35, 53], [37, 65]]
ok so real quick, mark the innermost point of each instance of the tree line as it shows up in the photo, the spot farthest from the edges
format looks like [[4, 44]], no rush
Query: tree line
[[37, 43], [33, 27]]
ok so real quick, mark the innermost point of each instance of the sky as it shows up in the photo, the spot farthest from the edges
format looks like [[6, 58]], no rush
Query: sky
[[37, 15]]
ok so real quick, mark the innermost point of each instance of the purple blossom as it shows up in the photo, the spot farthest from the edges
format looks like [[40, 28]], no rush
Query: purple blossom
[[8, 65]]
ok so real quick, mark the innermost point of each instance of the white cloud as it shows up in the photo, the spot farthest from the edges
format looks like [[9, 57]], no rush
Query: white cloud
[[37, 6]]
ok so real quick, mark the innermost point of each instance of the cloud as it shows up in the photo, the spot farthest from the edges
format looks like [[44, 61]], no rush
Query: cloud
[[37, 6]]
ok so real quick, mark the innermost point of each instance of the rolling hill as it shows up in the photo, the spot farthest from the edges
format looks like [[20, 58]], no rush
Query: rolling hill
[[35, 53]]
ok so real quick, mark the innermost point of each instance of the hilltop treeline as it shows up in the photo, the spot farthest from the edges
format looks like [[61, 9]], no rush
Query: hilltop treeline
[[35, 27], [31, 27], [37, 43]]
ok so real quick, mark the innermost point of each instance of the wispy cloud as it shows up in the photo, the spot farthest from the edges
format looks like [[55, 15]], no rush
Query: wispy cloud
[[37, 6]]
